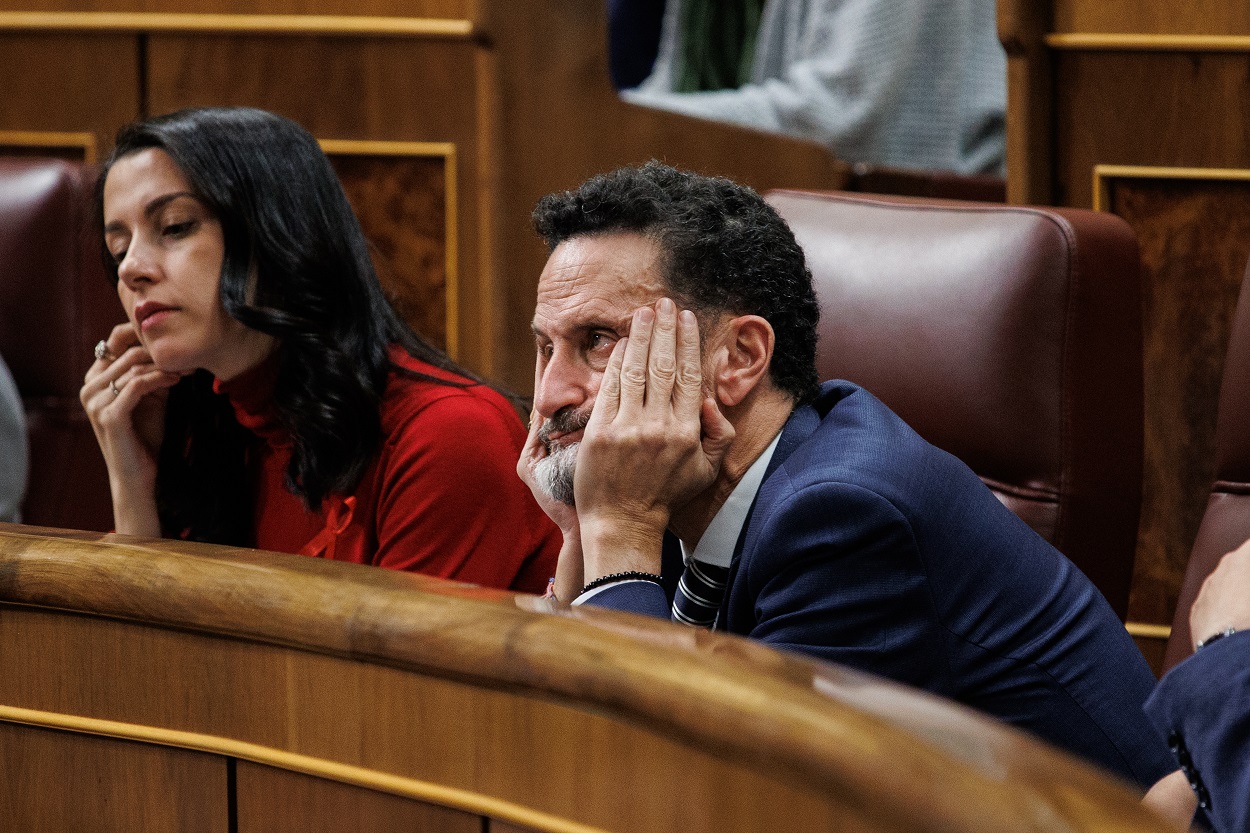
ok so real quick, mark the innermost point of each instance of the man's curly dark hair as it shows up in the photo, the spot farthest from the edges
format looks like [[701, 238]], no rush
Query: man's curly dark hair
[[723, 250]]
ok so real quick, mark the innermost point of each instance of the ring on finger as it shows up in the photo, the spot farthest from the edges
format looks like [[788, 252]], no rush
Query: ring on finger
[[114, 389], [102, 351]]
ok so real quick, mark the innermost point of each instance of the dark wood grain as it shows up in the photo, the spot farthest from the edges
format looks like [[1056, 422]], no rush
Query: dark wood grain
[[1195, 240], [69, 83], [57, 781], [401, 202], [272, 800]]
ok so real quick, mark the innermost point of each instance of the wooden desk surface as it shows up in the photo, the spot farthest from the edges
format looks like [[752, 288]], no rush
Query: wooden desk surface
[[264, 675]]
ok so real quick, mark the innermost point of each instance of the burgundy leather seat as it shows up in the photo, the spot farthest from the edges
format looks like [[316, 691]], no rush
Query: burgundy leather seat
[[1226, 522], [1008, 336], [56, 304]]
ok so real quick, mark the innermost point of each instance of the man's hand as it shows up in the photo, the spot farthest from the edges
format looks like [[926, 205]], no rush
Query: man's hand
[[569, 573], [1173, 800], [1224, 600], [653, 443]]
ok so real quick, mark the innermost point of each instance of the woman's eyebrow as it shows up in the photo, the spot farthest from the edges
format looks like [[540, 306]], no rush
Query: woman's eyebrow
[[152, 208]]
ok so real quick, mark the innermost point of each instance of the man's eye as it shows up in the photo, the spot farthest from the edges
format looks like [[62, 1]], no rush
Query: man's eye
[[600, 341]]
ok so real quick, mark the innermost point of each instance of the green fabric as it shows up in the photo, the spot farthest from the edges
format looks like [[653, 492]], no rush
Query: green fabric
[[717, 44]]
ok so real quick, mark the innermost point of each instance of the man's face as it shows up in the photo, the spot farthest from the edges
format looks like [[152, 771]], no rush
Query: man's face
[[587, 295]]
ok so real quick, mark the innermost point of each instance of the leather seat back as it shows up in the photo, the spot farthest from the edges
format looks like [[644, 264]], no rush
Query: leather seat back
[[56, 305], [1008, 336]]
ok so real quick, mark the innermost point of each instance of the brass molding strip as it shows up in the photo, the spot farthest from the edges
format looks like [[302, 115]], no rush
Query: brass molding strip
[[1104, 173], [1094, 42], [1147, 631], [252, 24], [439, 794], [51, 140], [447, 150]]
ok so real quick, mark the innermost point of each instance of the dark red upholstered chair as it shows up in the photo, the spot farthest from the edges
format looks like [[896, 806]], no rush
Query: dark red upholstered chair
[[55, 304], [1226, 522], [1008, 336]]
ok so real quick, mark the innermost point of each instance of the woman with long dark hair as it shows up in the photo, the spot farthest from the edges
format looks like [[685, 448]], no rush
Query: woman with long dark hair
[[265, 393]]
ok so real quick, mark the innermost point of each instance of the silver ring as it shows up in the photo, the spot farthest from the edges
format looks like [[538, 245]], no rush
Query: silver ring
[[102, 350], [113, 388]]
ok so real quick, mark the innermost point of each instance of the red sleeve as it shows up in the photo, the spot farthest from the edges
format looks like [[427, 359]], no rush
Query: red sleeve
[[451, 504]]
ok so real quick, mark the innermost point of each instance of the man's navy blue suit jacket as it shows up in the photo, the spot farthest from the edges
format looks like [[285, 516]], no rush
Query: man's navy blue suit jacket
[[1203, 705], [869, 547]]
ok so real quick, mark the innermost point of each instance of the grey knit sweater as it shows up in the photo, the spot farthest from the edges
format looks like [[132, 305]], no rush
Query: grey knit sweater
[[13, 459], [908, 83]]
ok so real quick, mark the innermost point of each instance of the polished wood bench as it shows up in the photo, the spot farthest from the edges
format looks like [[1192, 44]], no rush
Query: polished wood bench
[[158, 685]]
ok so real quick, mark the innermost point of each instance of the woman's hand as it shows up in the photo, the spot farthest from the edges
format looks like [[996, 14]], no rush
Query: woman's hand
[[124, 395]]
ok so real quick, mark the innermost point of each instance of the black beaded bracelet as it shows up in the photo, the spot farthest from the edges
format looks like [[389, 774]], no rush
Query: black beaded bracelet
[[628, 574], [1214, 637]]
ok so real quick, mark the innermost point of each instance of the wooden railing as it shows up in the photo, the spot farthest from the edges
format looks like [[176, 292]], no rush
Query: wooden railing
[[163, 685]]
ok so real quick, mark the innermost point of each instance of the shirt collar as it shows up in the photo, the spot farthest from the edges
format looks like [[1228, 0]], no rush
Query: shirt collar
[[718, 541]]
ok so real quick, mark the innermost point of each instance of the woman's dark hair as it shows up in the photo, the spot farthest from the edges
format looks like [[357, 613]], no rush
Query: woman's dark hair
[[297, 267], [724, 250]]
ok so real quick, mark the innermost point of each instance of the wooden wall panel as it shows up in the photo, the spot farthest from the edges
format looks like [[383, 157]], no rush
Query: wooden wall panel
[[496, 826], [273, 800], [1194, 113], [57, 781], [401, 202], [1193, 17], [90, 86], [400, 89], [397, 8], [1195, 239], [48, 144]]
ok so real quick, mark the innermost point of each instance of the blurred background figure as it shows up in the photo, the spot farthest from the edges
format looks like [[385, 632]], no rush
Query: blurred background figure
[[14, 458], [911, 85], [633, 39]]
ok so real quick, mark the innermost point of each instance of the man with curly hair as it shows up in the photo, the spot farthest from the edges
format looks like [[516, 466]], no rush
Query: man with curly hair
[[700, 471]]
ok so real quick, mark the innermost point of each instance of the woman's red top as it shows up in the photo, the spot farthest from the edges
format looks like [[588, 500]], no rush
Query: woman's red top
[[441, 497]]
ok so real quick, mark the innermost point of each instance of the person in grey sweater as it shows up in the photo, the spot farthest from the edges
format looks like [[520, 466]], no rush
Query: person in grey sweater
[[13, 451], [913, 85]]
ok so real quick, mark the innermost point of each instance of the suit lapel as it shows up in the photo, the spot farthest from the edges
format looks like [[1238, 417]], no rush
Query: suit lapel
[[802, 423]]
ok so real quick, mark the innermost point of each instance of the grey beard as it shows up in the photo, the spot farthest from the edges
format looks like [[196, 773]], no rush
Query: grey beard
[[554, 473]]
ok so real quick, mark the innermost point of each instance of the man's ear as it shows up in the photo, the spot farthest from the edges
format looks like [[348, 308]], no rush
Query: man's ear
[[742, 358]]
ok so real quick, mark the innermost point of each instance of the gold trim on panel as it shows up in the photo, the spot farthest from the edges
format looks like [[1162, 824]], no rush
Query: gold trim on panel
[[1114, 42], [440, 794], [447, 150], [1148, 631], [51, 139], [265, 24], [1104, 173]]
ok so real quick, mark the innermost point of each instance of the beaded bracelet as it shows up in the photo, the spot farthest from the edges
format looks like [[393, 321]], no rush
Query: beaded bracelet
[[1213, 637], [628, 574]]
